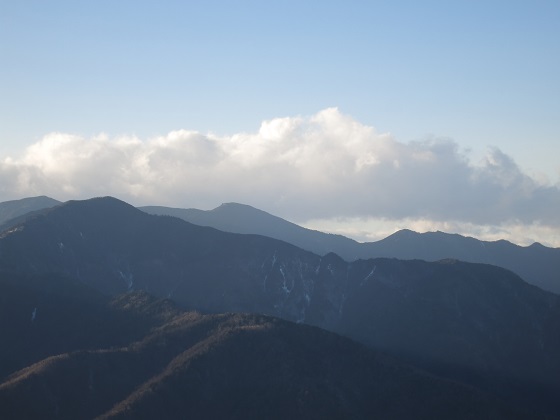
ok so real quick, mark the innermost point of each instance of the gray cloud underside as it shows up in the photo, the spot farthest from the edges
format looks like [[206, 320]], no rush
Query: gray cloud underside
[[326, 165]]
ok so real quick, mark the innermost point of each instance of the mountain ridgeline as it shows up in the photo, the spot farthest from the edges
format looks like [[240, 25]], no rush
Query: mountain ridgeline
[[134, 357], [15, 211], [536, 264], [473, 323]]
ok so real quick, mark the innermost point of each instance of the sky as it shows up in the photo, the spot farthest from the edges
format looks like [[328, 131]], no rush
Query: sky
[[354, 117]]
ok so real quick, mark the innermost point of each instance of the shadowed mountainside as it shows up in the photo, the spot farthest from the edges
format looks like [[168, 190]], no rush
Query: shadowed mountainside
[[15, 208], [471, 322], [536, 264], [145, 358]]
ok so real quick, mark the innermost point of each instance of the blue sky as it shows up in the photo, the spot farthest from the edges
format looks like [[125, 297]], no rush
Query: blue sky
[[483, 75]]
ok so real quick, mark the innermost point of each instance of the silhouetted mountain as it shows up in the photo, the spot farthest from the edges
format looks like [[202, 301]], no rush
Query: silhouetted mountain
[[476, 323], [536, 264], [12, 209], [138, 357], [46, 315], [241, 218]]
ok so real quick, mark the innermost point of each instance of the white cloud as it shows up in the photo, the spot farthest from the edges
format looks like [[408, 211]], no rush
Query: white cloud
[[319, 167]]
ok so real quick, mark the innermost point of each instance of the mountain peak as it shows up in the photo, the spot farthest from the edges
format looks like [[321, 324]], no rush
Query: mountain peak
[[234, 204], [97, 213], [237, 207], [100, 203], [16, 208], [403, 233]]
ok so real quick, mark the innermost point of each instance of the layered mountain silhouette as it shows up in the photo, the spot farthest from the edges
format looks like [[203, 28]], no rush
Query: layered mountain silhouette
[[473, 323], [15, 208], [134, 356], [536, 264]]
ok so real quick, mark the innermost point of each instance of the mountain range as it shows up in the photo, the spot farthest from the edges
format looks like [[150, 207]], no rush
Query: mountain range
[[134, 356], [472, 323], [536, 264]]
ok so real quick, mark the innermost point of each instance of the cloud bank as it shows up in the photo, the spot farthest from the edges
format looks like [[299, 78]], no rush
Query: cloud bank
[[319, 167]]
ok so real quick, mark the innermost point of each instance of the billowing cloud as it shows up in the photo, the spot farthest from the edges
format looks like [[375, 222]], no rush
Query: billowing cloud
[[319, 167]]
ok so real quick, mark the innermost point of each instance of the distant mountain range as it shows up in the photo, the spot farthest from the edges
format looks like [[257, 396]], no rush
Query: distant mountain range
[[473, 323], [13, 209], [536, 264]]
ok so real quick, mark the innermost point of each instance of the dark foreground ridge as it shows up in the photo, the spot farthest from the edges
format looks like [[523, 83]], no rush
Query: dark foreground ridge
[[139, 357]]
